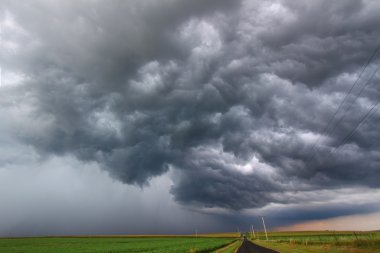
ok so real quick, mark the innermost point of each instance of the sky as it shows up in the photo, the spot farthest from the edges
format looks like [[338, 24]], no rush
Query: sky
[[175, 116]]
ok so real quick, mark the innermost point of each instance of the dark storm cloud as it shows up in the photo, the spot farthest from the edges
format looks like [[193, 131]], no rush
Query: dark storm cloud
[[231, 95]]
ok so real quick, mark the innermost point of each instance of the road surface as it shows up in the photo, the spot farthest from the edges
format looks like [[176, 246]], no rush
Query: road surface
[[249, 247]]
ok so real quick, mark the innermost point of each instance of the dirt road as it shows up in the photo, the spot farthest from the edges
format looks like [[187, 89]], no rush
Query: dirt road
[[249, 247]]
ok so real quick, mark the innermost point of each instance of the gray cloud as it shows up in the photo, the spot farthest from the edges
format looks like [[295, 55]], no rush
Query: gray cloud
[[231, 95], [62, 196]]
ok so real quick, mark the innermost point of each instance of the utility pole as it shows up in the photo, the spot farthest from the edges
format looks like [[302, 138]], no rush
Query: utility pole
[[253, 232], [265, 229]]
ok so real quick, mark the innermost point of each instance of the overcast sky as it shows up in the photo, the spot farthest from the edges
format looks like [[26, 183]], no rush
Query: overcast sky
[[143, 116]]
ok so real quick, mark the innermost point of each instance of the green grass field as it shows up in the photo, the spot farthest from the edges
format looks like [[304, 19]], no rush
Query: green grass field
[[284, 242], [322, 241], [113, 244]]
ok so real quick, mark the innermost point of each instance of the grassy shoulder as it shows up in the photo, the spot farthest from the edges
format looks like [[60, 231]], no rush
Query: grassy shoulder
[[232, 248], [289, 247]]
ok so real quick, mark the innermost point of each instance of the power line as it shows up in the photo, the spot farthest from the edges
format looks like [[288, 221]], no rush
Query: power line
[[344, 114], [364, 67], [368, 115], [353, 101], [364, 118]]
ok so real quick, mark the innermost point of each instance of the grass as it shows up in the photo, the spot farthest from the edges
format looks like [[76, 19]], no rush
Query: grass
[[284, 242], [322, 241], [113, 244], [294, 248], [231, 248]]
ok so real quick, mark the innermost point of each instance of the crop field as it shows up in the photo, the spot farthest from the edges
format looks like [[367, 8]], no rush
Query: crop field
[[322, 241], [114, 244]]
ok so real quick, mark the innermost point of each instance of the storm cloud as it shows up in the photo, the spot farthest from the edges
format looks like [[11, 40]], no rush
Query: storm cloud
[[231, 96]]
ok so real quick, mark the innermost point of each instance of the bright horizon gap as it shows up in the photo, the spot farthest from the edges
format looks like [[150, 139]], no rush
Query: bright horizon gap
[[359, 222]]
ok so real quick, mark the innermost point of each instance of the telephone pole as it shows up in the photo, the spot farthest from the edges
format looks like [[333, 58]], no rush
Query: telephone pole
[[265, 229], [253, 231]]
